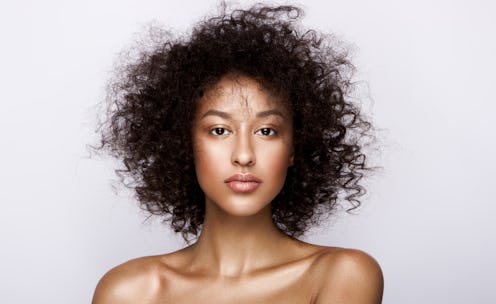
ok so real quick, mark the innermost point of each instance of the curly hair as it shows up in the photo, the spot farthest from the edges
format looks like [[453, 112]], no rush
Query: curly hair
[[151, 105]]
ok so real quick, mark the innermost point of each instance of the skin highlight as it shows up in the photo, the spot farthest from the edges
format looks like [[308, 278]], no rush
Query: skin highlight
[[153, 97], [270, 105], [241, 256], [242, 146]]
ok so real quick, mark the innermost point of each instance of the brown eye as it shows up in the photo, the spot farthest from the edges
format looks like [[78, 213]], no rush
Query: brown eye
[[219, 131], [267, 131]]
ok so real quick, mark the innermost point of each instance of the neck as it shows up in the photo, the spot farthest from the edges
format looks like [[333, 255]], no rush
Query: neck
[[231, 246]]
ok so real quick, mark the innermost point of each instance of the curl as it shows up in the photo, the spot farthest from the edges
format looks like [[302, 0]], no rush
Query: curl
[[152, 100]]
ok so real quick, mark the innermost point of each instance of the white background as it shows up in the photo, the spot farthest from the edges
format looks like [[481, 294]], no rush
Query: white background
[[430, 68]]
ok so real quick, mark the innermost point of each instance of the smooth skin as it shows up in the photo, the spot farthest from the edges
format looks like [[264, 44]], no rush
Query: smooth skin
[[241, 256]]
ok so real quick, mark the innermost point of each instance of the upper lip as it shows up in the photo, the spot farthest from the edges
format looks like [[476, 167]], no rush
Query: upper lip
[[243, 178]]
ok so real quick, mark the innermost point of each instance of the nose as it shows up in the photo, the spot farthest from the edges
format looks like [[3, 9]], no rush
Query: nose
[[243, 153]]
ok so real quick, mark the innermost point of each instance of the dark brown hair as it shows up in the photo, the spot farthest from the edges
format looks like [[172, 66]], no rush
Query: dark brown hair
[[152, 102]]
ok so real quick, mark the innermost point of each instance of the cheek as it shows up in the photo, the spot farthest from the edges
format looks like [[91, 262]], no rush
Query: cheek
[[275, 161], [201, 158], [208, 159]]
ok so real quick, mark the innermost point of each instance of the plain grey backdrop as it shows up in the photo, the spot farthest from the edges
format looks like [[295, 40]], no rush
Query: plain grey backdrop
[[429, 69]]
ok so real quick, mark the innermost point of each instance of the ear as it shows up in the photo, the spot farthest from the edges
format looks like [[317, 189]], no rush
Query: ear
[[291, 159]]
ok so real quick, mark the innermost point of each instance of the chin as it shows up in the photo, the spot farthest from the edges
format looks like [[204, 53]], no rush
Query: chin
[[243, 211], [242, 208]]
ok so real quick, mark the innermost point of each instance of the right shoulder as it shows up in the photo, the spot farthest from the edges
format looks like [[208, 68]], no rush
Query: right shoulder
[[136, 281]]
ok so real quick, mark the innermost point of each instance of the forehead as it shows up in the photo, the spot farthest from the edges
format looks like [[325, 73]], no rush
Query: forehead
[[239, 94]]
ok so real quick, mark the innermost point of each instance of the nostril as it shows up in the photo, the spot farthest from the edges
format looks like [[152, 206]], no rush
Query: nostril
[[244, 163], [244, 159], [243, 153]]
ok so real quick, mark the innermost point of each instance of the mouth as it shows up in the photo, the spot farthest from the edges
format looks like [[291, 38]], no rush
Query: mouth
[[243, 182]]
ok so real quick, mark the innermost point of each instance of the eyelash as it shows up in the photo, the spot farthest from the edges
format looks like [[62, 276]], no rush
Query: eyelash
[[272, 132], [213, 131]]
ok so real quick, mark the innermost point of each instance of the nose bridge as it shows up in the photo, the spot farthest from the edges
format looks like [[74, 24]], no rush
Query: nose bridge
[[243, 152]]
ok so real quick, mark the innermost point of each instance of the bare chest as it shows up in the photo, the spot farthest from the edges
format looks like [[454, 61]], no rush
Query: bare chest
[[290, 285]]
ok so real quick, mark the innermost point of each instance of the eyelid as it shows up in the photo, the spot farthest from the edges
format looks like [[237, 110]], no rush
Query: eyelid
[[227, 131], [272, 129], [212, 129]]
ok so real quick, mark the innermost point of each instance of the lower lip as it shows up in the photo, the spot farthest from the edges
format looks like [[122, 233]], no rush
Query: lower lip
[[238, 186]]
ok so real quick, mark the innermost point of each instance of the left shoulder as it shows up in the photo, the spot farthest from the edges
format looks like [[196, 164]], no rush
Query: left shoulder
[[348, 276]]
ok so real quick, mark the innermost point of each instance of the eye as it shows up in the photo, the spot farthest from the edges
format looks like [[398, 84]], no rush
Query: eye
[[267, 132], [219, 131]]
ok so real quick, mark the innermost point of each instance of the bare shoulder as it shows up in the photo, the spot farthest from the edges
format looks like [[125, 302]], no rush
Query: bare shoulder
[[136, 281], [348, 276]]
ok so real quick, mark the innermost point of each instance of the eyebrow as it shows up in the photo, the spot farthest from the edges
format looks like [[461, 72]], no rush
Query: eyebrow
[[226, 115]]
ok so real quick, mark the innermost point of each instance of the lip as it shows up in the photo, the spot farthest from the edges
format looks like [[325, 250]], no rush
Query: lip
[[248, 177], [243, 182]]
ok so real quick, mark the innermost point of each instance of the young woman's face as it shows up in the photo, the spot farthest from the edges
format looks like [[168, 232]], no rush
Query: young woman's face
[[243, 145]]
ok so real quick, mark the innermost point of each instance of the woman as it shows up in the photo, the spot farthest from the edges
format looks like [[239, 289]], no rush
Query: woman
[[241, 134]]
